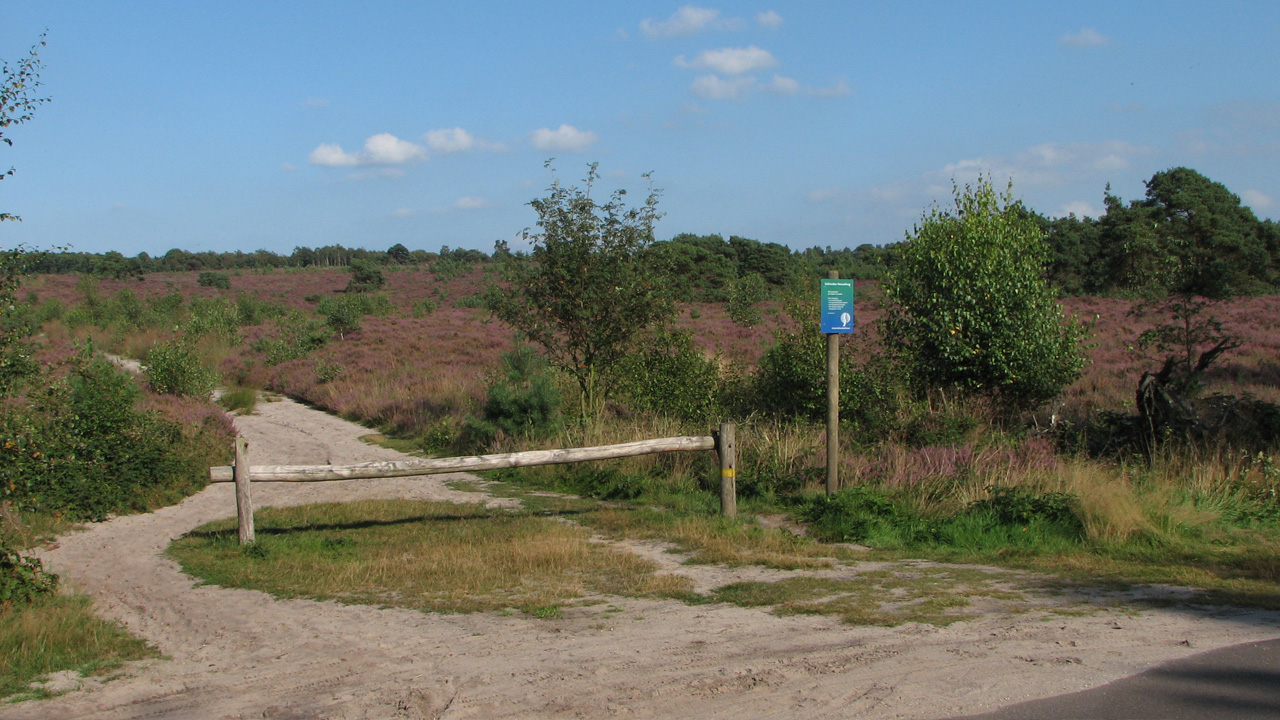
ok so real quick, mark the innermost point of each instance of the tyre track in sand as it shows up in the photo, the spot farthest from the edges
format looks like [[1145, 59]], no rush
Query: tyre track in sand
[[242, 654]]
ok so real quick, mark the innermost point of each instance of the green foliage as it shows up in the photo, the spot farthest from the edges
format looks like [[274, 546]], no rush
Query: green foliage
[[174, 367], [81, 447], [744, 294], [295, 337], [524, 402], [590, 287], [1184, 331], [22, 579], [365, 277], [972, 309], [344, 313], [667, 375], [16, 324], [1011, 519], [217, 316], [790, 380], [217, 280], [18, 83]]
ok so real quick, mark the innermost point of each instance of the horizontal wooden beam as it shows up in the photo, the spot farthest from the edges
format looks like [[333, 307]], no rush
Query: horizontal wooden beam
[[435, 466]]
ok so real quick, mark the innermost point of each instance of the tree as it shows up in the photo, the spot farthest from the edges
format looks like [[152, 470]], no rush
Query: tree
[[365, 277], [17, 99], [398, 254], [973, 310], [589, 286]]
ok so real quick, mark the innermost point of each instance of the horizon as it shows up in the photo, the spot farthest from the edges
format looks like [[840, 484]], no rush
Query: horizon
[[244, 127]]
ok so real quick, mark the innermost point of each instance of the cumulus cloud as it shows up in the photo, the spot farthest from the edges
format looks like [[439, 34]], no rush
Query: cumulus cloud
[[769, 19], [730, 61], [380, 149], [1087, 37], [454, 140], [689, 20], [566, 138], [714, 87], [1257, 200]]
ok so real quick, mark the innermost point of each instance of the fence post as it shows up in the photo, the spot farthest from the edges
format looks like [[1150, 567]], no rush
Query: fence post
[[244, 501], [727, 447]]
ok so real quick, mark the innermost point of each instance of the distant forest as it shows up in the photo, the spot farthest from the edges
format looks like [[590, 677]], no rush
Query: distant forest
[[1189, 234]]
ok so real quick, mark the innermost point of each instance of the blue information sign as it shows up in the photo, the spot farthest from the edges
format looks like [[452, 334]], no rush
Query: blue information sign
[[837, 306]]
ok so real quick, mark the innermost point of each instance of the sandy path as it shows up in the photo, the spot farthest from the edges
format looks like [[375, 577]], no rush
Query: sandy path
[[241, 654]]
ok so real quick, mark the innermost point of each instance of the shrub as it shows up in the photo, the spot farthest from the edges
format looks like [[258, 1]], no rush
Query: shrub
[[174, 368], [343, 313], [973, 309], [524, 402], [22, 579], [744, 294], [667, 375], [365, 277], [214, 280], [296, 336]]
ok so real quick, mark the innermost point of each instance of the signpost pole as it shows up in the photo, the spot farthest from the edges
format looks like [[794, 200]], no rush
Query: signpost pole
[[833, 405]]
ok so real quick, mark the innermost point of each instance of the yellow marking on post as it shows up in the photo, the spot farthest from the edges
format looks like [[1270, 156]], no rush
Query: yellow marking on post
[[727, 472]]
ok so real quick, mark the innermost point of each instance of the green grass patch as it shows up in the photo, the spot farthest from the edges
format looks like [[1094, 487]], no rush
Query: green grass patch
[[434, 557], [57, 633], [931, 595], [239, 399]]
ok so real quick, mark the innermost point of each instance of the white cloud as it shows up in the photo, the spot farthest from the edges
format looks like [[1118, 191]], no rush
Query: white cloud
[[566, 137], [1079, 208], [332, 155], [714, 87], [1050, 163], [1257, 200], [769, 19], [387, 149], [472, 203], [316, 102], [1087, 37], [783, 86], [403, 213], [689, 20], [288, 167], [730, 61], [380, 149], [453, 140]]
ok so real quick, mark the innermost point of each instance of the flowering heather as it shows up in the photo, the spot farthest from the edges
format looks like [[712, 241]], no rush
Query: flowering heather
[[409, 369]]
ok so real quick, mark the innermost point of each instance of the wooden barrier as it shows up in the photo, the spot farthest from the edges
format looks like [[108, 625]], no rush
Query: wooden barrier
[[242, 473]]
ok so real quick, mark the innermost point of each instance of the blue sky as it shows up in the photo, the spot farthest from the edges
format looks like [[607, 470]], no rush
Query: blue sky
[[245, 125]]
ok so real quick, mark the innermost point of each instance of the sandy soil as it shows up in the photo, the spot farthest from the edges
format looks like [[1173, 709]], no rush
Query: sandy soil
[[242, 654]]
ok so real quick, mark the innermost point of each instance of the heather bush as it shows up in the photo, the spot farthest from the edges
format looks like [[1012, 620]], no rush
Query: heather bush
[[175, 368]]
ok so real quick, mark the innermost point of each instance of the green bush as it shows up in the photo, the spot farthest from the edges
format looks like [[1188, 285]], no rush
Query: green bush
[[790, 381], [973, 310], [344, 313], [365, 277], [524, 402], [217, 316], [214, 280], [174, 368], [23, 579], [81, 447], [667, 375], [295, 337]]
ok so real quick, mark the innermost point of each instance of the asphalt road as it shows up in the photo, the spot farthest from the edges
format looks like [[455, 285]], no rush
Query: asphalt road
[[1241, 682]]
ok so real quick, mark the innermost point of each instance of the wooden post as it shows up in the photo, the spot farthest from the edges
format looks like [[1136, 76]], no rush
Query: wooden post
[[244, 501], [833, 405], [727, 447]]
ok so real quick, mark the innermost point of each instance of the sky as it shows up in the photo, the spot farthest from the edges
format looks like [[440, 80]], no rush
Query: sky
[[269, 125]]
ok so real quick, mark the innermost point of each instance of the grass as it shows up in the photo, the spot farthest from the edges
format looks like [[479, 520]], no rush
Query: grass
[[57, 633], [434, 557]]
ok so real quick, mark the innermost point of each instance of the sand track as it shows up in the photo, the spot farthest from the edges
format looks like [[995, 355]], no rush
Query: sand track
[[243, 654]]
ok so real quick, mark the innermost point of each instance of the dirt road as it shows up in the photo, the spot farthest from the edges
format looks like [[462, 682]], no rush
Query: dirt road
[[242, 654]]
